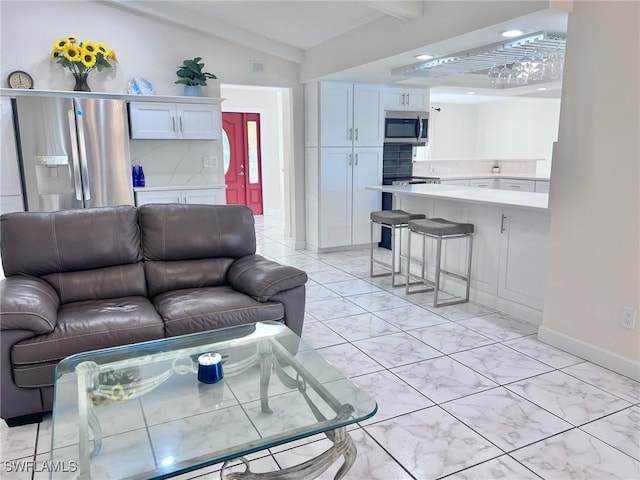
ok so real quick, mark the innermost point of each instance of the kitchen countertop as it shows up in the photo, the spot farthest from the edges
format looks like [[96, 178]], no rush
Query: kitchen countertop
[[487, 196], [510, 176], [177, 187]]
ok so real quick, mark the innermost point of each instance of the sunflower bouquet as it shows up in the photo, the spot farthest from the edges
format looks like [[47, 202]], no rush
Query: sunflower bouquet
[[82, 57]]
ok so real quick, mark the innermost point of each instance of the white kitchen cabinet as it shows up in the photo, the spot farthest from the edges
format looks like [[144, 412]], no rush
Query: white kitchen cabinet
[[459, 183], [338, 206], [482, 182], [350, 115], [542, 186], [409, 99], [205, 196], [10, 185], [186, 121], [523, 257], [517, 185]]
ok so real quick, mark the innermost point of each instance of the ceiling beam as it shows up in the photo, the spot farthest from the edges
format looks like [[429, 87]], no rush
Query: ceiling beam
[[401, 9]]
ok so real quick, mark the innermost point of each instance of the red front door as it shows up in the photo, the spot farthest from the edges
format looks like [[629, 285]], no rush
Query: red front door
[[242, 160]]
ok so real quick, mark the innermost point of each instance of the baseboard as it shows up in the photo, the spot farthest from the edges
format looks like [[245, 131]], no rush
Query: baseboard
[[605, 358]]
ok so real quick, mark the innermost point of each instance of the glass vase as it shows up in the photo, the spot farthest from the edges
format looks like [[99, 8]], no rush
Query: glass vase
[[81, 82]]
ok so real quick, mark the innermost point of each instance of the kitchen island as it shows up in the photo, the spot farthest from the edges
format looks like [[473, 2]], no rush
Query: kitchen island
[[510, 242]]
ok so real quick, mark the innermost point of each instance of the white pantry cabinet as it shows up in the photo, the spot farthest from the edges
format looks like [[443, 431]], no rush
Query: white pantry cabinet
[[406, 99], [203, 196], [350, 115], [338, 206], [186, 121]]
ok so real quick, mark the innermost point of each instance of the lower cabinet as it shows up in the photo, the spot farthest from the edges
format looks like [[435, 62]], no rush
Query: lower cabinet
[[482, 183], [203, 196], [518, 185], [542, 186], [459, 183], [338, 205]]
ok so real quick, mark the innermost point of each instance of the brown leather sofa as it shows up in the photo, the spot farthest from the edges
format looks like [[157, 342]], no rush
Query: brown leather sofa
[[80, 280]]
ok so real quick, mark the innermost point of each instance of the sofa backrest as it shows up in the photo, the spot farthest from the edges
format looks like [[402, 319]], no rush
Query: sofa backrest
[[84, 254], [191, 246]]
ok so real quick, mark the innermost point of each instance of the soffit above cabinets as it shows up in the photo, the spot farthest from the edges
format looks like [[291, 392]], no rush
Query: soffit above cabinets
[[483, 58]]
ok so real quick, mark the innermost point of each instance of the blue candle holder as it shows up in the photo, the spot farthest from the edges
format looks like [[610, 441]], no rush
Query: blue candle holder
[[210, 368]]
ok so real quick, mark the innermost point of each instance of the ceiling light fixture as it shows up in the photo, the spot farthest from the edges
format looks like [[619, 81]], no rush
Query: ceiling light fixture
[[471, 93], [542, 88], [424, 57], [511, 33]]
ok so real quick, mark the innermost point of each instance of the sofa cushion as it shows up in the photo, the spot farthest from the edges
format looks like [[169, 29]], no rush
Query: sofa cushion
[[91, 325], [200, 309], [40, 243], [99, 283], [190, 232], [164, 276]]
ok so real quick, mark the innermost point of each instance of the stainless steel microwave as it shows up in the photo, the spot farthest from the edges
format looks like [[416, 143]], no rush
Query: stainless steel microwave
[[406, 127]]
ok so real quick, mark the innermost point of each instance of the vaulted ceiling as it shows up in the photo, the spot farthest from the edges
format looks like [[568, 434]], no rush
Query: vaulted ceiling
[[301, 30]]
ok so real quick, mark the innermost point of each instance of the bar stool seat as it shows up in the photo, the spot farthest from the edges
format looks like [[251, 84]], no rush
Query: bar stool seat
[[393, 220], [440, 229]]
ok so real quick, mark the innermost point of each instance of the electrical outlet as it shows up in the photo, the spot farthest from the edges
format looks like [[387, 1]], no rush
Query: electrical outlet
[[628, 319], [209, 161]]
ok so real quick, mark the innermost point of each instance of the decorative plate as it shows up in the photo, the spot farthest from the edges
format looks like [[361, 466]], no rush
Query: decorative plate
[[140, 86]]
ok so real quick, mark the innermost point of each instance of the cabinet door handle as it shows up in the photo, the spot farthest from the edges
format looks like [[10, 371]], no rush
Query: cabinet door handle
[[351, 134], [515, 186], [350, 159], [181, 129], [356, 160], [173, 123], [356, 134], [502, 227], [402, 102], [408, 98]]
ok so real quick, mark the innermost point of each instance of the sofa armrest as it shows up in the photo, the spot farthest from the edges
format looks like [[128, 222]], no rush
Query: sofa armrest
[[262, 278], [28, 303]]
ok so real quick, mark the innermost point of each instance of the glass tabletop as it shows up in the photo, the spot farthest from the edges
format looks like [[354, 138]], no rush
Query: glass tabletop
[[139, 411]]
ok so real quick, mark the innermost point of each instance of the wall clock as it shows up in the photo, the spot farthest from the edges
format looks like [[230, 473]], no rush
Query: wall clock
[[20, 79]]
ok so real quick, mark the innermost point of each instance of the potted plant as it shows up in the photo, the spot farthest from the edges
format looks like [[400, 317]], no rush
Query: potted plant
[[192, 76]]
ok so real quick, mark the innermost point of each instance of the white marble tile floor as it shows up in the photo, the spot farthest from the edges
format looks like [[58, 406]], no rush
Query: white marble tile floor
[[464, 392]]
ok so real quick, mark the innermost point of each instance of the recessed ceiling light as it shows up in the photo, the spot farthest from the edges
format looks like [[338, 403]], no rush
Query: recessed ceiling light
[[542, 88], [424, 57], [512, 33], [471, 93]]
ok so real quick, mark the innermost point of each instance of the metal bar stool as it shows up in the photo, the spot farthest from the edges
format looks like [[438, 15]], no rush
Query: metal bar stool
[[393, 220], [439, 229]]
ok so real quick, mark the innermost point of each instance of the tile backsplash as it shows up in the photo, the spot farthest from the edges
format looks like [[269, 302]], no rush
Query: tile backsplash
[[397, 160], [177, 162]]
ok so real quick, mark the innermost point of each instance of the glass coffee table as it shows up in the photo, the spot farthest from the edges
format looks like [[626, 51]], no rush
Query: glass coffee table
[[138, 411]]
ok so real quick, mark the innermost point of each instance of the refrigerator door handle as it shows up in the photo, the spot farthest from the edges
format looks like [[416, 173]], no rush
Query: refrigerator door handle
[[74, 155], [83, 156]]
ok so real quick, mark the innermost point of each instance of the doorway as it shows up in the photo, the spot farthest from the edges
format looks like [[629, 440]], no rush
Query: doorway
[[242, 159]]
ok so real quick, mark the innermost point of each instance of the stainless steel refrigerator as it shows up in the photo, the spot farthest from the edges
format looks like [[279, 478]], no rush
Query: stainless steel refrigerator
[[74, 152]]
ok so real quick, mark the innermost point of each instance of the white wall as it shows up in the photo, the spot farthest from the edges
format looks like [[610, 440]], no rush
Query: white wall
[[509, 128], [594, 251], [268, 103], [145, 47], [519, 128]]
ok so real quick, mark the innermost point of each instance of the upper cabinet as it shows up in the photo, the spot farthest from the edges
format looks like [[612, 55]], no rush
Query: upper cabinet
[[350, 115], [188, 121], [399, 99]]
